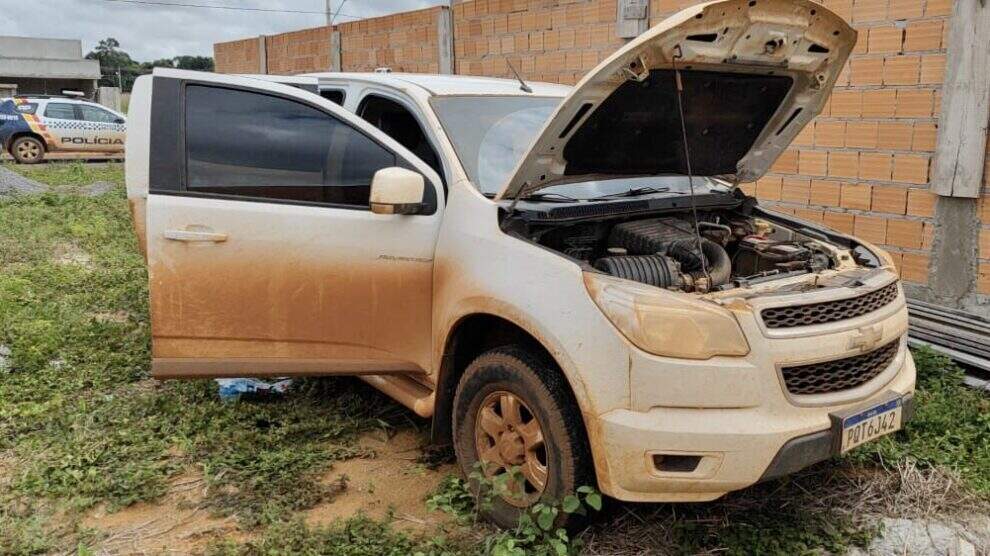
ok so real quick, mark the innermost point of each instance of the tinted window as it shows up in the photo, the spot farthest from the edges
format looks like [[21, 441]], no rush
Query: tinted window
[[392, 118], [257, 145], [94, 114], [60, 110], [333, 95]]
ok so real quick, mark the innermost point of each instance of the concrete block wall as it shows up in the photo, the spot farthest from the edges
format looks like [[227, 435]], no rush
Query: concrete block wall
[[302, 51], [404, 41], [863, 166], [240, 56], [545, 40]]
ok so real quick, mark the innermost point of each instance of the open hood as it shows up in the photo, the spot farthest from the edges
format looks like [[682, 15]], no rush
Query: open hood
[[753, 73]]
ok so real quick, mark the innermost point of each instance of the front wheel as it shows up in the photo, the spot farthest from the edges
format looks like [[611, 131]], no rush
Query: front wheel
[[28, 150], [513, 411]]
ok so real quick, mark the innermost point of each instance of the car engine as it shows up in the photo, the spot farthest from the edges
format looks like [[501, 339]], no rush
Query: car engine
[[666, 252]]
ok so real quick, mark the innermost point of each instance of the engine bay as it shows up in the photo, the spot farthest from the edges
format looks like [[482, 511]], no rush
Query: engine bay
[[724, 250]]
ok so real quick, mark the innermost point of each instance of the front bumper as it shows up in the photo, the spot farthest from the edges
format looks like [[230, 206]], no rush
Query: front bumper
[[734, 447]]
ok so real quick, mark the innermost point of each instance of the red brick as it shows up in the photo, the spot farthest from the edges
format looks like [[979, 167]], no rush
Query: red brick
[[894, 135], [914, 103], [871, 228], [923, 138], [806, 137], [768, 188], [869, 10], [938, 7], [889, 199], [830, 134], [795, 190], [910, 168], [923, 35], [985, 243], [932, 68], [983, 279], [861, 135], [813, 163], [843, 164], [906, 9], [855, 196], [866, 71], [841, 221], [904, 233], [920, 202], [787, 163], [879, 103], [914, 268], [846, 104], [885, 39], [901, 70], [825, 192], [874, 166]]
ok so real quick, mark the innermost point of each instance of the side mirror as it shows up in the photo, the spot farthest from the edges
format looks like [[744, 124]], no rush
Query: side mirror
[[119, 121], [397, 191]]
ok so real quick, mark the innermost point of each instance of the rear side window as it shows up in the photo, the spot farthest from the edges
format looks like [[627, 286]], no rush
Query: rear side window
[[60, 110], [94, 114], [249, 144], [333, 95]]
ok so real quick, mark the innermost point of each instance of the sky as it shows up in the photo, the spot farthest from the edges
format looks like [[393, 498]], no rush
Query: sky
[[149, 32]]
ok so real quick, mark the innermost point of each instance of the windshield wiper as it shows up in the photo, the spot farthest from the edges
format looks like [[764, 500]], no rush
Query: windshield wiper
[[551, 197], [634, 192]]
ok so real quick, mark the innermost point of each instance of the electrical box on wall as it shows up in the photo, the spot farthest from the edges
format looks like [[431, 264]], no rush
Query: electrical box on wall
[[632, 18]]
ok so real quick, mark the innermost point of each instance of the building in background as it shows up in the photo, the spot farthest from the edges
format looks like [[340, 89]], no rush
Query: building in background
[[45, 66]]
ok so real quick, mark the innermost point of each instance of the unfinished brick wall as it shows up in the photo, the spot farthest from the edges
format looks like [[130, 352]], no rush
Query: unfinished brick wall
[[240, 56], [304, 51], [545, 40], [863, 166], [404, 42]]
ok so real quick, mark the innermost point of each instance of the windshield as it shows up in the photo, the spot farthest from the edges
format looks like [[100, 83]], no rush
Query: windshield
[[491, 133]]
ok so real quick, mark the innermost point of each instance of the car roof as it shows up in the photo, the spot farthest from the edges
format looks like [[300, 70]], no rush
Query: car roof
[[438, 85], [56, 98]]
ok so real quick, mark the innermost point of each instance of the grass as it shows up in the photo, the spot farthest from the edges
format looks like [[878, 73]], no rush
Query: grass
[[80, 422], [82, 425]]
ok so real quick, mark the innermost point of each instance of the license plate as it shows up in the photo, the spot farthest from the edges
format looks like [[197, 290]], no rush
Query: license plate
[[870, 424]]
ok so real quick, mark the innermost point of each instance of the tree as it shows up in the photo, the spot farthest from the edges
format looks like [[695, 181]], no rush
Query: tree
[[199, 63], [117, 67]]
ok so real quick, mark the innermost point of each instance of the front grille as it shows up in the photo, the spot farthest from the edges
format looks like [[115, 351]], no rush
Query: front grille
[[839, 374], [828, 311]]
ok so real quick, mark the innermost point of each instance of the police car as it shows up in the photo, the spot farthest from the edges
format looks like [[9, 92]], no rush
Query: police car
[[32, 126]]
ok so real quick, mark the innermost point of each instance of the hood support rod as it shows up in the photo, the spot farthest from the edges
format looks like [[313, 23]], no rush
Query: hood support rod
[[678, 53]]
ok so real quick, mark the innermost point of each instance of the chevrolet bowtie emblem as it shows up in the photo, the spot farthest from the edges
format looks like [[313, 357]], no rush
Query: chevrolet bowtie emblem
[[866, 338]]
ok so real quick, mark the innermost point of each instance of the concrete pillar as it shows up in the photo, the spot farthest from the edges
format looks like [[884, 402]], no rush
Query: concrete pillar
[[335, 61], [262, 54], [959, 162], [109, 97], [445, 40]]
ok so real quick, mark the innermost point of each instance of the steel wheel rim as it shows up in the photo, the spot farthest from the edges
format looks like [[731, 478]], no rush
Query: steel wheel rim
[[28, 150], [508, 434]]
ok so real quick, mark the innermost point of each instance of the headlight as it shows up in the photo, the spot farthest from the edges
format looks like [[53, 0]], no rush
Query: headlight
[[666, 323]]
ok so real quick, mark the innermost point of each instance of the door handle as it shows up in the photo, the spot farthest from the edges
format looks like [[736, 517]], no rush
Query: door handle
[[191, 235]]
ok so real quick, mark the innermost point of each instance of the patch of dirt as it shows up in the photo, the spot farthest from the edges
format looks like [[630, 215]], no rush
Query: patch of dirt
[[119, 317], [392, 484], [70, 253], [174, 525]]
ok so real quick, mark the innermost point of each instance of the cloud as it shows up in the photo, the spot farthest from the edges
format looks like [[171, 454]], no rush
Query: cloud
[[149, 32]]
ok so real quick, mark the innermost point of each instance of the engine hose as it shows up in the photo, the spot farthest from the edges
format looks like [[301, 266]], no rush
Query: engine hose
[[717, 260], [655, 270]]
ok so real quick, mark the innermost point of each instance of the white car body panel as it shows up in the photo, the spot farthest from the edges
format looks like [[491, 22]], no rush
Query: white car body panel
[[274, 294]]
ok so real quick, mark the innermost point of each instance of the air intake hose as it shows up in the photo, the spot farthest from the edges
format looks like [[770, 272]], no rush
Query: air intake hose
[[717, 261], [655, 270]]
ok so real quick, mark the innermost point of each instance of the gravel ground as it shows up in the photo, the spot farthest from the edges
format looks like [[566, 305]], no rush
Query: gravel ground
[[12, 183]]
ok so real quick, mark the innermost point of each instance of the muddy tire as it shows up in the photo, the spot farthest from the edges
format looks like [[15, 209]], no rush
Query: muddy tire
[[513, 409], [28, 150]]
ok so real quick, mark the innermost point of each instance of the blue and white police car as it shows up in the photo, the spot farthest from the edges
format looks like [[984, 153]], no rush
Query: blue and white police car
[[33, 125]]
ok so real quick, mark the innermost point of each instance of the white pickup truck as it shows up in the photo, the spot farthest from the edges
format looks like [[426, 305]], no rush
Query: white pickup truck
[[567, 281]]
